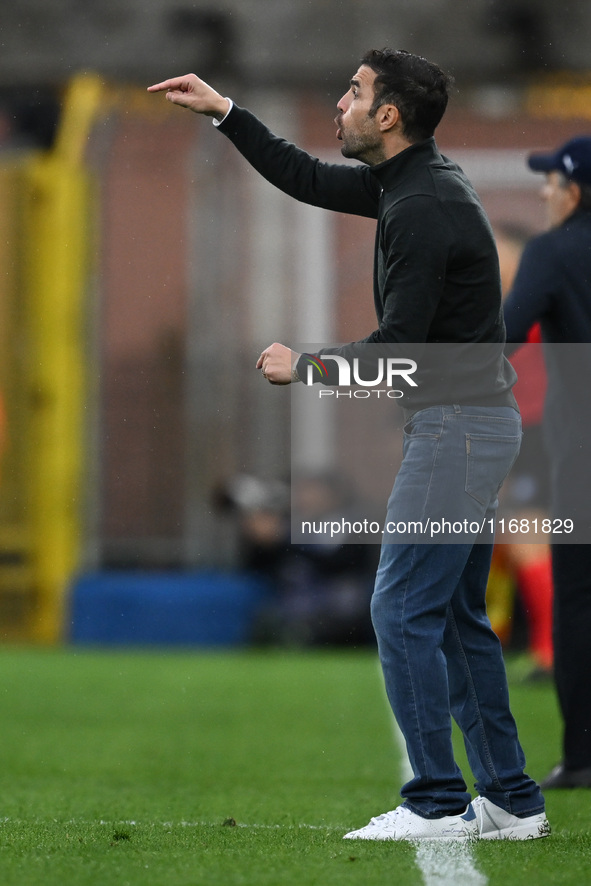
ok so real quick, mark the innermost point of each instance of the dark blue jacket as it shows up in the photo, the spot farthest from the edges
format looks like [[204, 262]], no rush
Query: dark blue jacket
[[553, 287]]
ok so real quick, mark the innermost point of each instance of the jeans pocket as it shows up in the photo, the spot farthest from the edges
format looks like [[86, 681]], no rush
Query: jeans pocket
[[489, 458], [426, 423]]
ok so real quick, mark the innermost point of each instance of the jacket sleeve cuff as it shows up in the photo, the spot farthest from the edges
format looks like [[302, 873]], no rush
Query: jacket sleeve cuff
[[217, 123]]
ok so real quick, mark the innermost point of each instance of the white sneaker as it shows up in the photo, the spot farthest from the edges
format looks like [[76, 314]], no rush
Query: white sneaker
[[403, 824], [496, 824]]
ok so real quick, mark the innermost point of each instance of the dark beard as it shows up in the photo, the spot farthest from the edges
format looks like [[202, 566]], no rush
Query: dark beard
[[365, 152]]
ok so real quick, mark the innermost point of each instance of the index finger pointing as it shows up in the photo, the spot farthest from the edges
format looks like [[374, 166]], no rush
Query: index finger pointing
[[174, 83]]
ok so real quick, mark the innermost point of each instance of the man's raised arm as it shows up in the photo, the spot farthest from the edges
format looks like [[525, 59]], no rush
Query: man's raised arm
[[334, 186], [193, 93]]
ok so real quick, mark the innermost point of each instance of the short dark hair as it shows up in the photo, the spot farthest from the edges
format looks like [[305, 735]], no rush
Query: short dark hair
[[585, 201], [417, 87], [585, 190]]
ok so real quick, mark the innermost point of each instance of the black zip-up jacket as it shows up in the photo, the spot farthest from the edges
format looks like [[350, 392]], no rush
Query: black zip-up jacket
[[553, 286], [436, 275]]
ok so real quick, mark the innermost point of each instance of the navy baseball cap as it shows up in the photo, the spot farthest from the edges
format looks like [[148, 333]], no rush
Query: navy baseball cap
[[573, 159]]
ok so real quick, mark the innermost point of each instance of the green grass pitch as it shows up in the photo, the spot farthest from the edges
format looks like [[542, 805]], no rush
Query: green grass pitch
[[237, 769]]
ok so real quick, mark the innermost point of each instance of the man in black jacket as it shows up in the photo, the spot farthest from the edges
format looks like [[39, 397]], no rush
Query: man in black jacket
[[552, 286], [436, 280]]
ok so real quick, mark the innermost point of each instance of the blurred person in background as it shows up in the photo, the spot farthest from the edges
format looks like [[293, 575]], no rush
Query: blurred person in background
[[327, 585], [553, 288], [527, 563], [318, 594], [436, 279]]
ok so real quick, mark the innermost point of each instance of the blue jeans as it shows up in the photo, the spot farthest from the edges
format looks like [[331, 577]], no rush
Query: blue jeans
[[439, 654]]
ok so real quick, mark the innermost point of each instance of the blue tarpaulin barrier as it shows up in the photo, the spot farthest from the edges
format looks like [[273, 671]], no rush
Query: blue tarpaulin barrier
[[134, 608]]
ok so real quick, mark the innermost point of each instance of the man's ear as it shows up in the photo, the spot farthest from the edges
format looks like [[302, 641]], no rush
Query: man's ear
[[575, 192], [387, 116]]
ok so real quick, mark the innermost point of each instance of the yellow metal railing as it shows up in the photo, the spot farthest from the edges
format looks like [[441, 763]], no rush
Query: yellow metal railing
[[48, 210], [51, 196], [56, 224]]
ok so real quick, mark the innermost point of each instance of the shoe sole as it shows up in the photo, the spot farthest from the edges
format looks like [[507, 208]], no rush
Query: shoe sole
[[447, 838], [522, 832]]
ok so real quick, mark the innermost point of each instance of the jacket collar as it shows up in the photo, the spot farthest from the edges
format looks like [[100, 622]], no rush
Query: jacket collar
[[414, 157]]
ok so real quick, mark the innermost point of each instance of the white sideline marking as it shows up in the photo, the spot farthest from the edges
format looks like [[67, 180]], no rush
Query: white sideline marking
[[179, 824], [182, 824], [440, 863], [217, 824], [406, 773], [448, 864]]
